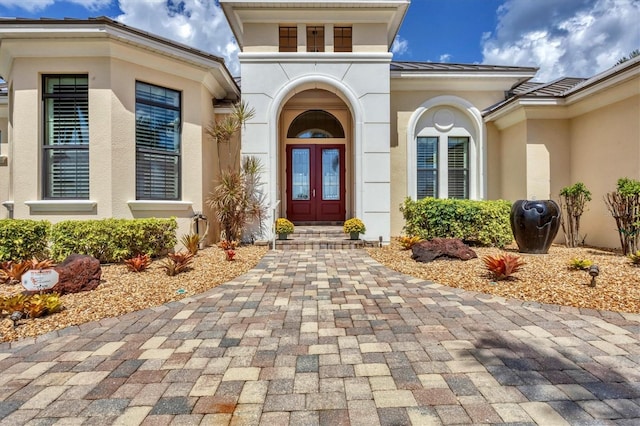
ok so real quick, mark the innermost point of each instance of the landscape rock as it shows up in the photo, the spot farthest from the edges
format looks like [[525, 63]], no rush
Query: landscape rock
[[450, 248], [78, 273]]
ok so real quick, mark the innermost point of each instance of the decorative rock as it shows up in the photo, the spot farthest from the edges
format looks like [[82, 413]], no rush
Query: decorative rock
[[78, 273], [451, 248]]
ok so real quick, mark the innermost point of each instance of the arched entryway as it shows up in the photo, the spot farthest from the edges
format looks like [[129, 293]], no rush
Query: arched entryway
[[315, 134]]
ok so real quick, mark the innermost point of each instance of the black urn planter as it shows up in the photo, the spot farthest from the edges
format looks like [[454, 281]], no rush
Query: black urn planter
[[535, 224]]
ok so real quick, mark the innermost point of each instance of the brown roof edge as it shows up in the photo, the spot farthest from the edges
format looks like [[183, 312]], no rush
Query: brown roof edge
[[604, 75], [417, 66]]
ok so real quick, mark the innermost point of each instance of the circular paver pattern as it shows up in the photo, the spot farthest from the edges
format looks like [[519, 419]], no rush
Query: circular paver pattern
[[330, 338]]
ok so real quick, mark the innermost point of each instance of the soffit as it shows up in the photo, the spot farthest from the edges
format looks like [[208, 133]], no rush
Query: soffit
[[387, 12]]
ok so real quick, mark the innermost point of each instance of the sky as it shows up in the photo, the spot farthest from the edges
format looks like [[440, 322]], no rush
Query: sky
[[576, 38]]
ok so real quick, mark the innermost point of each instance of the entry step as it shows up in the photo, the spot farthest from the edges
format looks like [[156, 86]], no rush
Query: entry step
[[317, 237]]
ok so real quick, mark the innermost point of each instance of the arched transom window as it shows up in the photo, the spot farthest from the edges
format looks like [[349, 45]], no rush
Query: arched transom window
[[314, 124], [445, 156]]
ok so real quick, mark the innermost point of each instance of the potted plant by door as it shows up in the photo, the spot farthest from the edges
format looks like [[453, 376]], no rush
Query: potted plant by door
[[284, 227], [354, 227]]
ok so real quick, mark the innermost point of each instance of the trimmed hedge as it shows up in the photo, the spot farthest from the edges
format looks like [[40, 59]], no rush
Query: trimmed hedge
[[480, 222], [22, 239], [113, 240]]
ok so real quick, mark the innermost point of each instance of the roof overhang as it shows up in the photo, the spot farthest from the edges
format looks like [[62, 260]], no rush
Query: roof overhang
[[388, 12], [455, 80], [16, 34], [614, 85]]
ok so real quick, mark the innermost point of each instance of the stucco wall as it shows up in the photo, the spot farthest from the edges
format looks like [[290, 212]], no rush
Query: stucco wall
[[605, 146], [363, 85], [548, 158], [513, 162], [539, 157], [260, 37], [4, 160], [403, 105], [494, 169], [370, 38], [112, 135]]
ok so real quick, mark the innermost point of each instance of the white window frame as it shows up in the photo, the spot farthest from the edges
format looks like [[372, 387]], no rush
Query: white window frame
[[477, 154], [442, 166]]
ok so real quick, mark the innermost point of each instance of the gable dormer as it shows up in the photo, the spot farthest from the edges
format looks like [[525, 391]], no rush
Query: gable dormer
[[310, 26]]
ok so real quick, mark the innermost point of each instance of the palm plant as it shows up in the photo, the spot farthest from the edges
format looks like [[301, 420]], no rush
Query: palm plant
[[238, 200], [222, 132]]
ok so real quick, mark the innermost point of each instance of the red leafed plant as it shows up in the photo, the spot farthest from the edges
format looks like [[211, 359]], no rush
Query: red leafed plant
[[227, 245], [11, 272], [503, 266], [38, 264], [177, 262], [138, 263], [230, 254]]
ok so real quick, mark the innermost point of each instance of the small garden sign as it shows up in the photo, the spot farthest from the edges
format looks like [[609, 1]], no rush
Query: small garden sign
[[39, 280]]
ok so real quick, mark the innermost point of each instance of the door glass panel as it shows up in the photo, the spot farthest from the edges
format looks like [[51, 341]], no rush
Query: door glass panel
[[330, 174], [300, 174]]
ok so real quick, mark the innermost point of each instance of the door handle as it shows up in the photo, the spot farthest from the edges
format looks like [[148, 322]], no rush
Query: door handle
[[314, 193]]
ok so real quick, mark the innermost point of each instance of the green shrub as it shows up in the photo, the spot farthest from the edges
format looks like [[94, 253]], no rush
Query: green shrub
[[113, 240], [22, 239], [624, 206], [479, 222], [628, 187]]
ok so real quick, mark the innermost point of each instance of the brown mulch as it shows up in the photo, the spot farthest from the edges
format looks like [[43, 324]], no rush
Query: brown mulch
[[544, 278], [122, 291]]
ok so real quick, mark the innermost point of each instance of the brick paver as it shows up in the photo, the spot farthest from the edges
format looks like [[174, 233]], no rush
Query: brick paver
[[328, 338]]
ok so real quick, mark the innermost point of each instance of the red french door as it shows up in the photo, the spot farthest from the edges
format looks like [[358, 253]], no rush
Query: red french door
[[315, 183]]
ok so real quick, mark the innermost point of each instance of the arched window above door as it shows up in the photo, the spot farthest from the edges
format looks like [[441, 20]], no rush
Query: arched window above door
[[315, 124]]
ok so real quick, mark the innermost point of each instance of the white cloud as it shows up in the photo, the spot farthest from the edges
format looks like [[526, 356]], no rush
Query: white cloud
[[36, 5], [445, 57], [197, 23], [564, 38], [399, 46]]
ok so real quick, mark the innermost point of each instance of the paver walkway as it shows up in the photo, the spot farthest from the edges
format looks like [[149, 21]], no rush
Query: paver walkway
[[330, 338]]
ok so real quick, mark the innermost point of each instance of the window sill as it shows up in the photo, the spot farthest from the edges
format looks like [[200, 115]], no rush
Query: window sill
[[59, 206], [148, 205]]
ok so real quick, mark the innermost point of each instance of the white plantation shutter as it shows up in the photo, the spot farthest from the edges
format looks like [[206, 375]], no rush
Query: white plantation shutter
[[157, 143], [66, 137], [427, 167], [458, 173]]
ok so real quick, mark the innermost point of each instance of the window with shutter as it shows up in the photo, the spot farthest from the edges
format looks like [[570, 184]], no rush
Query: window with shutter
[[455, 174], [458, 159], [342, 40], [158, 125], [288, 39], [66, 137], [427, 167], [315, 38]]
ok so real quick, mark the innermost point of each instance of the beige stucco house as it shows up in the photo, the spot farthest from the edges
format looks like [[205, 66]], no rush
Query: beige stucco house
[[102, 120], [341, 128]]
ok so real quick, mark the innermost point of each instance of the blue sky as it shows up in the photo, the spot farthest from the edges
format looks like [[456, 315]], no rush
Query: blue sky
[[561, 37]]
